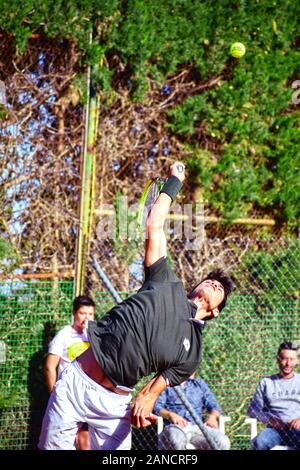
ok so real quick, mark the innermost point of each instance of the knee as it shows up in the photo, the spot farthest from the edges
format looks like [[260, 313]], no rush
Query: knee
[[172, 438]]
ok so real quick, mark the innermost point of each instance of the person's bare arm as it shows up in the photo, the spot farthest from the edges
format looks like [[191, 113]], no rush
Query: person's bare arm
[[156, 243], [141, 413], [50, 370]]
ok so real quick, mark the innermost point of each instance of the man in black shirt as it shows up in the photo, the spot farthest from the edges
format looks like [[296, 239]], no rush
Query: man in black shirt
[[158, 330]]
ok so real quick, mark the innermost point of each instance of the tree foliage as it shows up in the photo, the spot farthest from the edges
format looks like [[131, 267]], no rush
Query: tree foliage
[[245, 120], [169, 89]]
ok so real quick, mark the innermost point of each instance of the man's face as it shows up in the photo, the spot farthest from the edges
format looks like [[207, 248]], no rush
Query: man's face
[[287, 361], [212, 291], [82, 316]]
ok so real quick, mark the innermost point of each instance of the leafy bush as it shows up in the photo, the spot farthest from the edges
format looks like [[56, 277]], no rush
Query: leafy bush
[[240, 132]]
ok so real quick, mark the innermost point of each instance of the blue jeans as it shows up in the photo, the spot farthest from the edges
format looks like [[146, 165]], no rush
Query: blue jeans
[[270, 437]]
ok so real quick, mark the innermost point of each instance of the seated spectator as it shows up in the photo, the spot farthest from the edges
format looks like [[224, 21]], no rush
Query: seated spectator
[[276, 403], [181, 430]]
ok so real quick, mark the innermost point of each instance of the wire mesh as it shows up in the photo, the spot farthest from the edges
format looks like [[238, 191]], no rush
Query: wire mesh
[[238, 348], [31, 313]]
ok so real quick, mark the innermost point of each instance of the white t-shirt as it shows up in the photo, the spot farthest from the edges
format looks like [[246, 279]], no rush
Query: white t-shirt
[[68, 344]]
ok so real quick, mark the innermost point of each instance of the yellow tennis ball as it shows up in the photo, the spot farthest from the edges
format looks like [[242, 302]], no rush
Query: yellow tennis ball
[[237, 50]]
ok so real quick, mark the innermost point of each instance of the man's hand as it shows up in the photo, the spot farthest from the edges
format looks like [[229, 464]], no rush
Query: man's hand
[[141, 412], [212, 422], [294, 424], [178, 170]]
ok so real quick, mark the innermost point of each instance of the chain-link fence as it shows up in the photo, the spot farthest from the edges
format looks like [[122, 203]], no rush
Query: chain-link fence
[[238, 348]]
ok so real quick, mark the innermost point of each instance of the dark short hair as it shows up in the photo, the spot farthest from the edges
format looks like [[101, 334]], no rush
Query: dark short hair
[[82, 301], [287, 345], [226, 281]]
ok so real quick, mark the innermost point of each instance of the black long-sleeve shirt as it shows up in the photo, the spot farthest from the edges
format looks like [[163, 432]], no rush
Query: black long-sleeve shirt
[[151, 331]]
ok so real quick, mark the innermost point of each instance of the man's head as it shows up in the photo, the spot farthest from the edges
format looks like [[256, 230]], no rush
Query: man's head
[[287, 359], [212, 292], [83, 311]]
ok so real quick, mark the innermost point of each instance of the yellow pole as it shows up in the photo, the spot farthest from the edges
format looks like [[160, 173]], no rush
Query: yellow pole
[[88, 171]]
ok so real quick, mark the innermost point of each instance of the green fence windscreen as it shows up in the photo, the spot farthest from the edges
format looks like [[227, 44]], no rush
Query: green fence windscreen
[[238, 348]]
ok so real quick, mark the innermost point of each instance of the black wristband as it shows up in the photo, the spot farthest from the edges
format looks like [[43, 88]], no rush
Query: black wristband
[[172, 187]]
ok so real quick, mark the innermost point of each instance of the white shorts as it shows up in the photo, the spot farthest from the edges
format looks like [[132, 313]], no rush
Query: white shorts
[[78, 399]]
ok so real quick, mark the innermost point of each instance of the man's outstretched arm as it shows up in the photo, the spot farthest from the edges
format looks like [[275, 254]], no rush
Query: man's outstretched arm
[[141, 413], [156, 244]]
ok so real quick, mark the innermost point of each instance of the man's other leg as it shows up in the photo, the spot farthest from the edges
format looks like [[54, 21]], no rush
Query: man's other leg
[[172, 437], [83, 438], [60, 423], [111, 435]]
